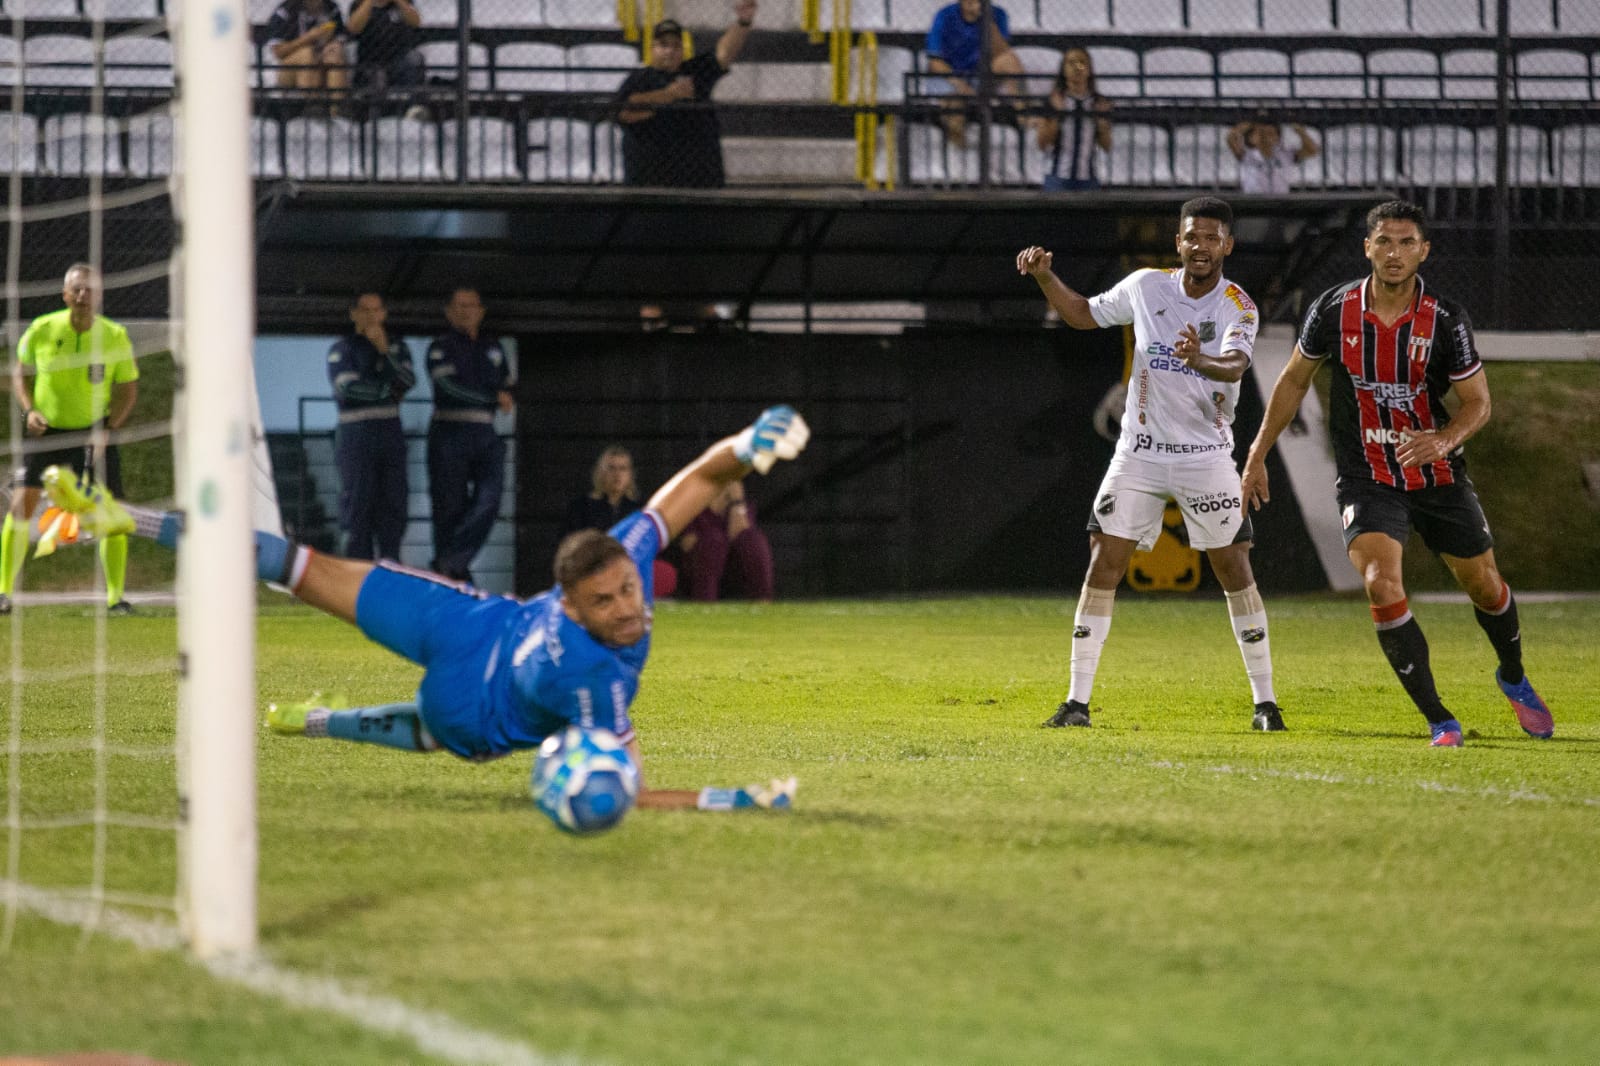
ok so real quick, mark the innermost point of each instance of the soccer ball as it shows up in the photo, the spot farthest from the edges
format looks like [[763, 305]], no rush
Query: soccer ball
[[584, 780]]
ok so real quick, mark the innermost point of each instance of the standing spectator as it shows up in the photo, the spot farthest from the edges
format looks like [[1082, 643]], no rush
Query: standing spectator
[[466, 459], [306, 37], [613, 497], [724, 551], [670, 134], [386, 45], [370, 373], [74, 375], [955, 48], [1076, 127], [1266, 156]]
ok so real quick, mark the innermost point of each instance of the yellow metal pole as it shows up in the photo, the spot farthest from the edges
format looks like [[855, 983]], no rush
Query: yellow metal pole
[[628, 15]]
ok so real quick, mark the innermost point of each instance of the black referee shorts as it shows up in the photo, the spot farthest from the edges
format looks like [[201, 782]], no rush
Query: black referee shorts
[[1449, 517], [79, 457]]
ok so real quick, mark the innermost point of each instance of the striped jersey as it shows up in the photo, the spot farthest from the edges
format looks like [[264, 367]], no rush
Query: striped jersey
[[1073, 157], [1175, 414], [1389, 381]]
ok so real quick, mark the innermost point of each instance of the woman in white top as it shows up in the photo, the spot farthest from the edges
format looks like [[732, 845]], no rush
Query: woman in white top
[[1267, 159], [1076, 129]]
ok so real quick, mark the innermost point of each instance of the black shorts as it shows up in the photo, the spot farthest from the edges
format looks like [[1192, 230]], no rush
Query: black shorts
[[77, 456], [1449, 517]]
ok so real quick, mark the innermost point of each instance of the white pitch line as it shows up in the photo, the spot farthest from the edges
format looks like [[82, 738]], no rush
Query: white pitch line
[[432, 1032], [1486, 792]]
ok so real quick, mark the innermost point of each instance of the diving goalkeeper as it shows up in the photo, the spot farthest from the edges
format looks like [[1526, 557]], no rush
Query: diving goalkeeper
[[500, 674]]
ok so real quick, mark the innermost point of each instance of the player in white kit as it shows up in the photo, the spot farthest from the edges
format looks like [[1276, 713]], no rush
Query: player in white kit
[[1194, 332]]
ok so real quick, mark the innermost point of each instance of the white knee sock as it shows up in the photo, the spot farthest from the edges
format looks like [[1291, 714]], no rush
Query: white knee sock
[[1249, 617], [1090, 625]]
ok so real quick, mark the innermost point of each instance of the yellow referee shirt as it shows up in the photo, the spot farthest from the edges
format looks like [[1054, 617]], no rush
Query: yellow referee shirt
[[74, 372]]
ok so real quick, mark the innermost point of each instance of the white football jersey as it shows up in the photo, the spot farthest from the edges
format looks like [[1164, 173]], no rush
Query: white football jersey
[[1175, 414]]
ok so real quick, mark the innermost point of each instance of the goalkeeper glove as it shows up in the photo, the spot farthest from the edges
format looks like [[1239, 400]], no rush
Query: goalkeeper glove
[[779, 433], [776, 795]]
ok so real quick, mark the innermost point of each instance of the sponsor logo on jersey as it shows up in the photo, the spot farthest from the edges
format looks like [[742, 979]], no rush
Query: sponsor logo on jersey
[[1348, 515], [1253, 635], [1142, 442], [1216, 501], [1380, 435], [1351, 339], [1107, 503], [1079, 632], [1391, 393], [1159, 312]]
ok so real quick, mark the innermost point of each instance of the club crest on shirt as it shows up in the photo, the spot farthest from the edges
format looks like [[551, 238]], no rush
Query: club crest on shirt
[[1348, 515], [1417, 348], [1207, 332], [1106, 504]]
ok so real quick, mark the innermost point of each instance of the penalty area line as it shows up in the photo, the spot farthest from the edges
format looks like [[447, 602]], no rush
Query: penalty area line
[[432, 1032]]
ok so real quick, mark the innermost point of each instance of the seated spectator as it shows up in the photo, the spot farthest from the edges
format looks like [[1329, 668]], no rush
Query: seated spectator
[[670, 135], [613, 497], [955, 49], [1267, 157], [1075, 126], [725, 553], [386, 45], [306, 37]]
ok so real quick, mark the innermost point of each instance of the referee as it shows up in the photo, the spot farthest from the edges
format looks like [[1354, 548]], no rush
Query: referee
[[74, 373]]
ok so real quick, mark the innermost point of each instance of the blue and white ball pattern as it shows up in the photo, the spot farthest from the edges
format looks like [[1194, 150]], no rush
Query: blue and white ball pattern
[[584, 780]]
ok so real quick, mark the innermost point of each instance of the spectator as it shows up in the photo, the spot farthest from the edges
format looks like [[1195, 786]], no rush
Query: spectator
[[466, 459], [1075, 127], [955, 47], [613, 497], [74, 375], [725, 552], [370, 373], [306, 37], [1266, 156], [670, 134], [386, 45]]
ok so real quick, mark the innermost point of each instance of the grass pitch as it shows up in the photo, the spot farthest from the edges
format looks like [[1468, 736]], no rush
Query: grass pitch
[[956, 884]]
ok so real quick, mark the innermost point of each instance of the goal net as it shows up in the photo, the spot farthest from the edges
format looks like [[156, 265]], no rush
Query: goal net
[[114, 803]]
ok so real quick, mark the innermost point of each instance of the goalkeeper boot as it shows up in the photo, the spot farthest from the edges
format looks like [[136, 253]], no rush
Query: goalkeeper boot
[[1268, 718], [1446, 734], [1069, 713], [97, 512], [290, 719], [1532, 714]]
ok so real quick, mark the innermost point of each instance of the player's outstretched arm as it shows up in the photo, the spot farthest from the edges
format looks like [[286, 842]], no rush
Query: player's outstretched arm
[[779, 433], [1291, 388], [1073, 308]]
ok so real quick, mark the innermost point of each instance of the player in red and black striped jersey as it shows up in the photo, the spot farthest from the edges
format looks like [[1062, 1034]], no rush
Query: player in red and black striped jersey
[[1396, 349]]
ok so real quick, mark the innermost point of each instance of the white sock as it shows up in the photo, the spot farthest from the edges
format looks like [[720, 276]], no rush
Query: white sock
[[1249, 617], [1090, 626]]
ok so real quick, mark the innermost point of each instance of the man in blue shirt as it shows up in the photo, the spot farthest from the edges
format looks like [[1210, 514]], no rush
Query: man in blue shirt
[[955, 48], [466, 459], [370, 372], [500, 674]]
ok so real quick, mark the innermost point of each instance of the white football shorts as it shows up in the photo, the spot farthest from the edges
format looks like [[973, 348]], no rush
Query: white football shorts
[[1134, 494]]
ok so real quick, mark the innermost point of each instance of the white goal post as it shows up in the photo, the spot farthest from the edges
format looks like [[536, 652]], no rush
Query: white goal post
[[215, 305]]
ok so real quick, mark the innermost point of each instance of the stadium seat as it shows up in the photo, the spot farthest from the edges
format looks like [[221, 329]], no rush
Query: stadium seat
[[150, 144], [915, 16], [1469, 74], [1579, 16], [443, 13], [587, 66], [1089, 16], [1552, 74], [1147, 16], [324, 149], [1356, 156], [575, 14], [266, 156], [1329, 72], [1432, 155], [894, 63], [44, 9], [566, 150], [1528, 161], [1179, 72], [19, 143], [261, 11], [1223, 17], [1372, 18], [10, 56], [129, 10], [864, 15], [144, 62], [1403, 74], [405, 149], [1041, 65], [1201, 159], [491, 149], [1253, 72], [58, 60], [1297, 16], [1141, 154], [531, 66], [1532, 16], [443, 61], [81, 144], [1450, 18], [1577, 154], [931, 160], [1116, 71]]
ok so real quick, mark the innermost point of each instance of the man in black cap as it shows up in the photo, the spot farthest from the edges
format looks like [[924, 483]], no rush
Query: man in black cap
[[670, 134]]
